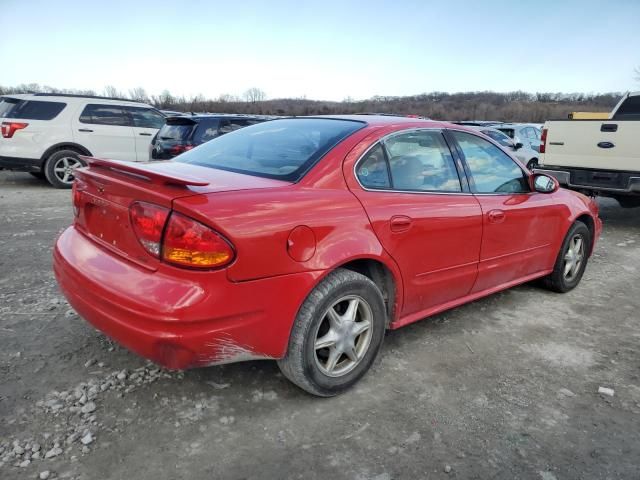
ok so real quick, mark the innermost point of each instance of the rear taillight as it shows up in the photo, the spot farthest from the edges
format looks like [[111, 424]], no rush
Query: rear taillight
[[148, 223], [178, 149], [76, 195], [189, 243], [9, 128], [543, 141]]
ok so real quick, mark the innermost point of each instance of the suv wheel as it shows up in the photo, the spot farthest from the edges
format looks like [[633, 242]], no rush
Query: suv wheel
[[60, 166], [337, 334]]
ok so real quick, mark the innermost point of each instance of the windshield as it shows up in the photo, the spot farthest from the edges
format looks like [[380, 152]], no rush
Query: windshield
[[282, 149]]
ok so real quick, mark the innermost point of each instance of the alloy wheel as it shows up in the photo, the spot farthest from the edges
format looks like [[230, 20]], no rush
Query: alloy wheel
[[64, 169], [574, 257], [343, 336]]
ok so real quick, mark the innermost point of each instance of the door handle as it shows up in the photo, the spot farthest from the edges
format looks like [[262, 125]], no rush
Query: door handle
[[496, 216], [400, 223], [609, 127], [85, 130], [606, 145], [145, 134]]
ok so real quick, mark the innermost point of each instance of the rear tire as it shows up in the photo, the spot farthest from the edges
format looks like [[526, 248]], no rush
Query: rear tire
[[337, 334], [59, 167], [571, 261]]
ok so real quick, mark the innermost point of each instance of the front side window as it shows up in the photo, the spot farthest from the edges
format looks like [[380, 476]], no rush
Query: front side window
[[145, 117], [492, 170], [372, 170], [421, 161], [281, 149], [35, 110], [104, 115], [508, 131]]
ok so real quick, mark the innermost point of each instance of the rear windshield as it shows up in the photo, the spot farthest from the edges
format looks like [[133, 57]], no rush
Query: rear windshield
[[6, 104], [32, 109], [629, 110], [176, 133], [282, 149]]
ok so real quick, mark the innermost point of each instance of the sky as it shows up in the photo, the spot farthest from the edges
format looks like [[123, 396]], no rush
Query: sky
[[322, 50]]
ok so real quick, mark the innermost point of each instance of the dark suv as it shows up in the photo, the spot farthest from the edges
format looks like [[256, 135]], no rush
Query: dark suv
[[183, 133]]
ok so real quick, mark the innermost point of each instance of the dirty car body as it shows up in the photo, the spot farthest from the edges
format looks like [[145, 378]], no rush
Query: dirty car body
[[280, 207]]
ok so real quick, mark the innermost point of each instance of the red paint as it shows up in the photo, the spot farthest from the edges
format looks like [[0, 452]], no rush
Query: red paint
[[442, 250]]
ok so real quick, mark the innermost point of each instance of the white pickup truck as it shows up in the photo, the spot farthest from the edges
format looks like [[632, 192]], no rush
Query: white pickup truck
[[597, 157]]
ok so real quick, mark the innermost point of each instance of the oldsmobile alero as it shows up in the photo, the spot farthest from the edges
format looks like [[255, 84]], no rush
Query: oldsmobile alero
[[303, 239]]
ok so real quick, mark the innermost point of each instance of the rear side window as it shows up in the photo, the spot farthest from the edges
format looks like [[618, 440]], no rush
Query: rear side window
[[282, 149], [145, 117], [629, 110], [207, 130], [372, 171], [6, 104], [35, 110], [421, 161], [104, 115]]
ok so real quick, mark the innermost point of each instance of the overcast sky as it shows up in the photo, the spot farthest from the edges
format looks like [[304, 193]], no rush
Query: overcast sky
[[326, 50]]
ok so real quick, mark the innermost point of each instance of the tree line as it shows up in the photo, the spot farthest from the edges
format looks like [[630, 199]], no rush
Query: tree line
[[483, 105]]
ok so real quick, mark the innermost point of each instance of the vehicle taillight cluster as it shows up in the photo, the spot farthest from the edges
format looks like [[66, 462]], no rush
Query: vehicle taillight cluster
[[178, 149], [9, 128], [76, 195], [178, 239], [543, 141]]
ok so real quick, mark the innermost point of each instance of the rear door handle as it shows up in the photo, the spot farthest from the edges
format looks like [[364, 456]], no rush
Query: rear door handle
[[84, 130], [609, 127], [606, 145], [145, 134], [400, 223], [496, 216]]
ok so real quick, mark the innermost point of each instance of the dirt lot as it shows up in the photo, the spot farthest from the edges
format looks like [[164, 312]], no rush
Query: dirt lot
[[505, 387]]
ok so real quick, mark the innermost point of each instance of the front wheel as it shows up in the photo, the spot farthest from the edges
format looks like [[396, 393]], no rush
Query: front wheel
[[337, 334], [533, 163], [571, 261]]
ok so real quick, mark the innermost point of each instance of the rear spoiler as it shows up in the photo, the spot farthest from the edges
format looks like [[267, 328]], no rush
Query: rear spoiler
[[161, 173]]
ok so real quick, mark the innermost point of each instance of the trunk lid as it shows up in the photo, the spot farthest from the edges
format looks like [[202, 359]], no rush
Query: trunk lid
[[105, 189]]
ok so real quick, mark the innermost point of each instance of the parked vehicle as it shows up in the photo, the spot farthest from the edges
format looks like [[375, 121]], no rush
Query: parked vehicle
[[598, 157], [180, 134], [45, 134], [303, 239], [501, 138], [529, 136]]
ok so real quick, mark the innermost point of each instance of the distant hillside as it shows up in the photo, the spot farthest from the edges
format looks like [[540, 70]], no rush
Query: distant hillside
[[513, 106]]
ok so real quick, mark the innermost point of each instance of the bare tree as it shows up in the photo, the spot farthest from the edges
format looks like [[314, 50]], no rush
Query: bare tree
[[139, 94], [254, 95], [111, 91]]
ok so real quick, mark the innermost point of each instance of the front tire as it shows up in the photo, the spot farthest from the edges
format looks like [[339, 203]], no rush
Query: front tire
[[571, 261], [60, 166], [337, 334], [533, 163]]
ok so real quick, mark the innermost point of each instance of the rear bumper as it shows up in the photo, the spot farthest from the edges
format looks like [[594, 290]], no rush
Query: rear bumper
[[174, 317], [20, 164], [621, 183]]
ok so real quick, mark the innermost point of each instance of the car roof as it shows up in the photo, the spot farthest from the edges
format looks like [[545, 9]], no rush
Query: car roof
[[382, 120], [72, 98]]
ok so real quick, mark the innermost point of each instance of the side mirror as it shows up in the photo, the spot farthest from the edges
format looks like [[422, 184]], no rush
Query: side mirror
[[517, 144], [543, 183]]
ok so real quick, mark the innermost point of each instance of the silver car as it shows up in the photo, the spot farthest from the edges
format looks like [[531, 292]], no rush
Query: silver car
[[526, 134], [513, 146]]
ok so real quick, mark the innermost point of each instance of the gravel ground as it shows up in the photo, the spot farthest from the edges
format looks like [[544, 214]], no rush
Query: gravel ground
[[505, 387]]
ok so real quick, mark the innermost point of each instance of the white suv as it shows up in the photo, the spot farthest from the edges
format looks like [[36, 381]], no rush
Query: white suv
[[45, 134]]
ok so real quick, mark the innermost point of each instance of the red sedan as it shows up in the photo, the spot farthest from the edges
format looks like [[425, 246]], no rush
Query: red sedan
[[303, 239]]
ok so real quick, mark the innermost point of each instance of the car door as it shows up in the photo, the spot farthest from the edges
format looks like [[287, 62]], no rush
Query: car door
[[422, 215], [519, 225], [106, 131], [146, 123]]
